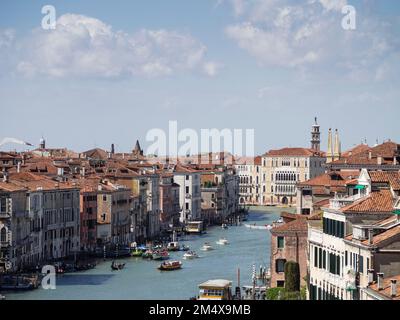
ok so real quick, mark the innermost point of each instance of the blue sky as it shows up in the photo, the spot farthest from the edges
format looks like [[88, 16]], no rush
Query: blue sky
[[111, 71]]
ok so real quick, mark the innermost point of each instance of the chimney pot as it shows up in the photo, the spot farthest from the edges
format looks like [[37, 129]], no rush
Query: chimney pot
[[380, 280], [369, 154], [393, 287], [370, 236], [370, 276]]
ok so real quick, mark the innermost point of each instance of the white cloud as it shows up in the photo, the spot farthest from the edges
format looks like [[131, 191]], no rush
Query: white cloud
[[85, 46], [211, 68], [308, 34]]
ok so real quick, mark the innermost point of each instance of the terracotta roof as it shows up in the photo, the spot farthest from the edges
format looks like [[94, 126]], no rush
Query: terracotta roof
[[293, 152], [384, 236], [390, 177], [357, 149], [299, 224], [387, 151], [386, 291], [376, 202]]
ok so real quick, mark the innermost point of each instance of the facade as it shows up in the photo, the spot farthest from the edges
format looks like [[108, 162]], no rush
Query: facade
[[283, 169], [88, 219], [338, 263], [188, 180], [169, 200], [250, 187], [288, 243]]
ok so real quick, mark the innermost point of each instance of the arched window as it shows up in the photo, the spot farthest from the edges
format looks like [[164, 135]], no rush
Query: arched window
[[3, 234]]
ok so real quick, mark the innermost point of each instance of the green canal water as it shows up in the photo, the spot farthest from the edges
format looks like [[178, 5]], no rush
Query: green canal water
[[140, 279]]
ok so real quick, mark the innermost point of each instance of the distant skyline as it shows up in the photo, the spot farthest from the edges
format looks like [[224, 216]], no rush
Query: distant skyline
[[111, 72]]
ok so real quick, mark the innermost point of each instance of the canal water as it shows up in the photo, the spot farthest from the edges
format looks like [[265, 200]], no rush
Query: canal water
[[140, 279]]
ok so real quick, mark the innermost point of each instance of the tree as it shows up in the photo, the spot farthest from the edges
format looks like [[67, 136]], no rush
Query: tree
[[292, 276]]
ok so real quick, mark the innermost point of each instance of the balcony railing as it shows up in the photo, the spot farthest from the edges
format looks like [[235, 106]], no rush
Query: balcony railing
[[339, 202]]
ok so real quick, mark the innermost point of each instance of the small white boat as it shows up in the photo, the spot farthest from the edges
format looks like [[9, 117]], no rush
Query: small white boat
[[190, 255], [207, 247], [224, 226], [258, 227], [223, 241]]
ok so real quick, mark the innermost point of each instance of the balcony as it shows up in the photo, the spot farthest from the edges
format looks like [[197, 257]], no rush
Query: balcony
[[188, 196], [4, 244], [340, 202]]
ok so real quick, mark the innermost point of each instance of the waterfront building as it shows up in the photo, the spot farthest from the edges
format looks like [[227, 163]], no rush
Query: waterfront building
[[250, 186], [88, 218], [282, 169], [189, 182], [169, 200], [289, 243], [331, 266]]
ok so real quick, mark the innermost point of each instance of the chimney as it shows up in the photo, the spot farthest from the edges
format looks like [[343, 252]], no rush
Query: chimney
[[83, 171], [109, 155], [393, 288], [370, 236], [379, 160], [112, 149], [5, 176], [19, 167], [380, 280], [370, 276], [60, 171], [369, 154]]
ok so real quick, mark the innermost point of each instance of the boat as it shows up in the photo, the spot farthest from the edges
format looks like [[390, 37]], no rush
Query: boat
[[194, 227], [257, 227], [223, 241], [148, 254], [173, 246], [2, 297], [184, 248], [117, 266], [207, 247], [190, 255], [170, 265], [219, 289], [224, 226], [136, 253], [160, 255]]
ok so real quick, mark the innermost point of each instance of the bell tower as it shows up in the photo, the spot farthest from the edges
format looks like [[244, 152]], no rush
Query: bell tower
[[316, 136]]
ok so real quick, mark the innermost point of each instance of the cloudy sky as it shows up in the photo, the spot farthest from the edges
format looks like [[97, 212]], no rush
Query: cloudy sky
[[113, 70]]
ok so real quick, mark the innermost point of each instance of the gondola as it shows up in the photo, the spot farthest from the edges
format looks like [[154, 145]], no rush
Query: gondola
[[117, 266]]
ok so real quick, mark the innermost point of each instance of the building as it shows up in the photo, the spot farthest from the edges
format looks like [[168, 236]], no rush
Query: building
[[382, 289], [316, 191], [336, 267], [169, 200], [250, 187], [283, 169], [88, 218], [188, 180], [288, 243]]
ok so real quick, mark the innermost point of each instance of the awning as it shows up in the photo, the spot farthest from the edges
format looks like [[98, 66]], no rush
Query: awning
[[396, 211], [360, 187]]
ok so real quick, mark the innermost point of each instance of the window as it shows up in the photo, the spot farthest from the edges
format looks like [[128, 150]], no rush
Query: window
[[187, 189], [315, 257], [361, 264], [187, 205], [280, 283], [281, 242], [187, 177], [3, 204], [280, 265], [3, 235]]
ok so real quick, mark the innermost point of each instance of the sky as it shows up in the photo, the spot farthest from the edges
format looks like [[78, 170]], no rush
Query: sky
[[113, 70]]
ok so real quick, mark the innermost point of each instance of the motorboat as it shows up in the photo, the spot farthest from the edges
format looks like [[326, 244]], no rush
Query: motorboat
[[223, 241], [190, 255], [148, 254], [173, 246], [207, 247], [170, 265], [218, 289], [258, 227], [160, 255], [136, 253], [224, 226], [184, 248], [117, 266]]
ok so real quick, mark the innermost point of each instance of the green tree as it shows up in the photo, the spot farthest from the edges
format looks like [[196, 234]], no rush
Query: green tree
[[292, 276]]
